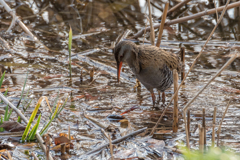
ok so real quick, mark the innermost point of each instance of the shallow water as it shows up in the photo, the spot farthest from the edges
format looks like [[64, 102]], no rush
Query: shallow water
[[96, 24]]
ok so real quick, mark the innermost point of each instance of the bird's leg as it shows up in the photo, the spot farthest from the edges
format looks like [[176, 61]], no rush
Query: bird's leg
[[163, 97], [159, 92], [153, 97], [159, 95]]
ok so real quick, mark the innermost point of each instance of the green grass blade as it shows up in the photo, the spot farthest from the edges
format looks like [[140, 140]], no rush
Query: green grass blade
[[69, 50], [25, 108], [30, 121], [44, 130], [1, 80], [55, 104], [22, 90], [1, 122], [19, 119], [34, 129], [60, 110], [8, 117], [6, 114]]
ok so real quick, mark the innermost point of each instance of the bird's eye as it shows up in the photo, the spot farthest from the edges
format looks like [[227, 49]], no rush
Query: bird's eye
[[121, 57]]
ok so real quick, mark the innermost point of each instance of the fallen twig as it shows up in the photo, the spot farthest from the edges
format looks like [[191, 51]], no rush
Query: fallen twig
[[117, 140], [195, 60], [39, 138]]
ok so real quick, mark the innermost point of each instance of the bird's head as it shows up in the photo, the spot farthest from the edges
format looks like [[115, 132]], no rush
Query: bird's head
[[124, 51]]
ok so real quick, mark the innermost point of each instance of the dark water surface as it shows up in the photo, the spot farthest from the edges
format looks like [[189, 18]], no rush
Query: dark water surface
[[96, 25]]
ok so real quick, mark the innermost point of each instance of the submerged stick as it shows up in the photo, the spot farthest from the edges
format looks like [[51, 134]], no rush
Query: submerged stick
[[194, 16], [175, 109], [194, 62], [117, 140], [220, 125], [152, 35], [164, 16], [213, 128], [39, 138]]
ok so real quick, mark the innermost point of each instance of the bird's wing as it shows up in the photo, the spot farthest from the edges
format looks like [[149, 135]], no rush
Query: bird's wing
[[151, 56]]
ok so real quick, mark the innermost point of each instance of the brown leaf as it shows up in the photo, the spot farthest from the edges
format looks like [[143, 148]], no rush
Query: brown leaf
[[60, 140], [12, 126]]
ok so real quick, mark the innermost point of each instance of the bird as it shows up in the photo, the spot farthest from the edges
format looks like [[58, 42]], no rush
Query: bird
[[151, 65]]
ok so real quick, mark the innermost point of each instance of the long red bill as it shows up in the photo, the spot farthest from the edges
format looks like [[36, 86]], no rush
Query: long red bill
[[119, 70]]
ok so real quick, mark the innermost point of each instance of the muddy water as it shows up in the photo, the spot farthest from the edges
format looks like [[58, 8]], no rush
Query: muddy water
[[96, 24]]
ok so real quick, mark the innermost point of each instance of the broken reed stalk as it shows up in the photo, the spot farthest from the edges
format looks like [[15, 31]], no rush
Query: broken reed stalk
[[63, 148], [110, 142], [39, 138], [164, 16], [117, 140], [188, 123], [182, 50], [179, 5], [186, 18], [110, 146], [204, 125], [213, 128], [9, 155], [201, 138], [22, 25], [152, 33], [194, 62], [216, 9], [175, 109], [220, 125]]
